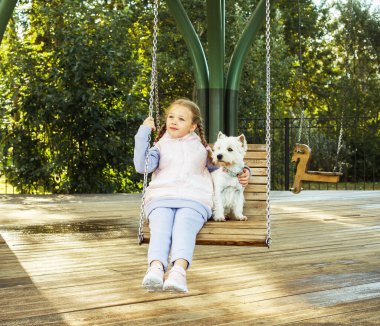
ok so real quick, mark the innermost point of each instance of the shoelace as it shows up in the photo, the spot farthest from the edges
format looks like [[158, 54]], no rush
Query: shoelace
[[156, 269], [178, 273]]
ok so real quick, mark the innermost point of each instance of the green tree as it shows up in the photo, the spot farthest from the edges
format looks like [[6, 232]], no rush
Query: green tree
[[73, 83], [356, 42], [75, 78]]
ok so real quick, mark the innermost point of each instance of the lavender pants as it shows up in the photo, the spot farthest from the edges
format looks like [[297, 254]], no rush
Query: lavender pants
[[174, 228]]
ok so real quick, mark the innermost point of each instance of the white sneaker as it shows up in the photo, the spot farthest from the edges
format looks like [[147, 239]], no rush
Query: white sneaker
[[154, 279], [176, 281]]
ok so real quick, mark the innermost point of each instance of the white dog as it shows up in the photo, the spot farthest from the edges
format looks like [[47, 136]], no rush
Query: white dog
[[228, 153]]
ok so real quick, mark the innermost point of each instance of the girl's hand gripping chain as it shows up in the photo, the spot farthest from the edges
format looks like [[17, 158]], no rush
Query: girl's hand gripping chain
[[149, 122]]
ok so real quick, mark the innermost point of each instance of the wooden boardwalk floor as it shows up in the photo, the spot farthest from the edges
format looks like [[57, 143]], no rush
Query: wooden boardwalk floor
[[74, 260]]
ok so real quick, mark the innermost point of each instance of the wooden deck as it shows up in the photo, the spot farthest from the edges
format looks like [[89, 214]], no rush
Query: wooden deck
[[74, 260]]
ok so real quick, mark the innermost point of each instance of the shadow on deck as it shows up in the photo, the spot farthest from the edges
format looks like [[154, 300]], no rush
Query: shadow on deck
[[74, 260]]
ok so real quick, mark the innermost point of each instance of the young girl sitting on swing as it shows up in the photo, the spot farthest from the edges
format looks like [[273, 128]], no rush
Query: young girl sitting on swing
[[179, 198]]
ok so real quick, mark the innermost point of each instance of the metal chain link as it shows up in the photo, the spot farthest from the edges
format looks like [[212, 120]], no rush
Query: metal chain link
[[153, 103], [157, 104], [268, 119], [302, 122], [302, 104], [153, 94], [154, 82], [340, 145]]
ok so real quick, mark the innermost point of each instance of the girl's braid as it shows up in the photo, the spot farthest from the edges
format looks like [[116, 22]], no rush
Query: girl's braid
[[160, 132], [201, 133]]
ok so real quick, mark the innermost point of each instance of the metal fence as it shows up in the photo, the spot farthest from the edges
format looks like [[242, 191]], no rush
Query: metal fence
[[359, 156]]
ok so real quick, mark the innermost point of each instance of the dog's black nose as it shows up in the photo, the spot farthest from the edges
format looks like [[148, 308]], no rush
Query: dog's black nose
[[219, 156]]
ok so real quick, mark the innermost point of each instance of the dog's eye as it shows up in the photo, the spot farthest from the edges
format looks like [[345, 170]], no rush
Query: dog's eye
[[230, 149]]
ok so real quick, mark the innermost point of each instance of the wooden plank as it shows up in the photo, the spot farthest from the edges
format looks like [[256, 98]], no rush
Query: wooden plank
[[254, 204], [323, 266], [254, 224], [258, 171], [252, 147], [219, 232], [255, 188], [255, 156], [231, 241], [258, 180], [257, 147], [238, 232], [252, 163], [226, 239], [255, 196], [254, 212]]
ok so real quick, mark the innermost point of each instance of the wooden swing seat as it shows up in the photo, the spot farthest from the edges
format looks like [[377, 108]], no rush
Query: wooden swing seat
[[301, 157], [325, 173], [252, 232]]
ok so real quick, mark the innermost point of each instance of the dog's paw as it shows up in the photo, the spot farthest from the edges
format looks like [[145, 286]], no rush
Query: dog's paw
[[219, 218], [242, 218]]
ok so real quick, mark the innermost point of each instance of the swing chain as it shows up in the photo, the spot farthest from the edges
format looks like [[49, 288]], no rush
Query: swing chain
[[268, 107], [154, 81], [142, 207], [302, 122], [302, 102], [153, 94], [339, 147], [153, 104]]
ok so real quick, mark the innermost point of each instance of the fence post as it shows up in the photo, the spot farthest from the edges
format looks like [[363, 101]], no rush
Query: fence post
[[286, 154]]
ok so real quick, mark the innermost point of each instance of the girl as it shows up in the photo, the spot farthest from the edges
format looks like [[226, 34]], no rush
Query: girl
[[178, 200]]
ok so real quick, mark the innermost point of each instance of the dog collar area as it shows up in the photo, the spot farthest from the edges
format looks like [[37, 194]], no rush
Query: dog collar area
[[231, 172]]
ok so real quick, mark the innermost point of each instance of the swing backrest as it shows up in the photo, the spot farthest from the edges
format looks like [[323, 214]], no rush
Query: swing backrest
[[241, 233]]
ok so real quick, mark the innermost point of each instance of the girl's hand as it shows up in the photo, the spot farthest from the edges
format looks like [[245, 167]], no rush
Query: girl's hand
[[149, 121], [244, 177]]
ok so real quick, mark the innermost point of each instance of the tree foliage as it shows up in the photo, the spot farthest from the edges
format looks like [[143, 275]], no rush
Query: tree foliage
[[75, 78], [75, 88]]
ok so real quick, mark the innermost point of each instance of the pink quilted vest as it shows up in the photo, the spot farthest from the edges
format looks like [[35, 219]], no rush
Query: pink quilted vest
[[182, 171]]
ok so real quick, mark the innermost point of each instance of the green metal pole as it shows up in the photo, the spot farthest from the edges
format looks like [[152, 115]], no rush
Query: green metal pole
[[218, 114], [216, 54], [236, 66], [196, 53], [6, 10]]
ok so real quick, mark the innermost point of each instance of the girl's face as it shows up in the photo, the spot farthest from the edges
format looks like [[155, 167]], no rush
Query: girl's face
[[179, 121]]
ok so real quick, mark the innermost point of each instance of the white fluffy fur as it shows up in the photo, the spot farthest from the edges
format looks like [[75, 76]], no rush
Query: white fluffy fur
[[228, 153]]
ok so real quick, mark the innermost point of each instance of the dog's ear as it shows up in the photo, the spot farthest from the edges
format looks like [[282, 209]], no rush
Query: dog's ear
[[221, 135], [243, 141]]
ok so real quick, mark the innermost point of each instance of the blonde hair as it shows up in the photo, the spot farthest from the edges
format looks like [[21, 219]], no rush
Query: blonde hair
[[197, 119]]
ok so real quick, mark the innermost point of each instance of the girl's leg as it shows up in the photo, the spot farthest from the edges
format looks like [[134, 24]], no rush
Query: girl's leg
[[161, 222], [187, 223]]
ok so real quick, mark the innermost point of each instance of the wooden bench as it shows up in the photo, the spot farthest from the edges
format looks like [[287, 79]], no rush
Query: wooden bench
[[302, 157], [241, 233]]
